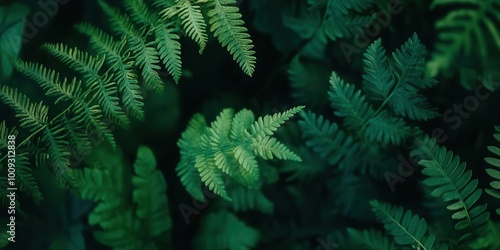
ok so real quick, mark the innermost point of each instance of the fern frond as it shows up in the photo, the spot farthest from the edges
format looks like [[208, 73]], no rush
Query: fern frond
[[408, 68], [125, 75], [188, 145], [91, 117], [95, 184], [192, 20], [31, 116], [225, 21], [49, 80], [336, 7], [210, 175], [4, 135], [371, 239], [25, 179], [57, 149], [230, 232], [140, 13], [228, 149], [149, 192], [245, 199], [349, 103], [451, 181], [386, 129], [408, 229], [464, 30], [268, 148], [144, 53], [89, 67], [169, 49], [494, 172], [377, 79], [267, 125]]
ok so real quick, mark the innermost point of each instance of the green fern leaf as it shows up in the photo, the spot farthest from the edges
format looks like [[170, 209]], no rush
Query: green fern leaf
[[349, 103], [230, 232], [450, 180], [464, 30], [25, 179], [225, 21], [169, 48], [371, 239], [228, 148], [377, 80], [120, 63], [493, 172], [32, 116], [406, 228]]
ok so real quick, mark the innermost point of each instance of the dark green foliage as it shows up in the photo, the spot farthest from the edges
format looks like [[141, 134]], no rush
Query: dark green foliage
[[452, 182], [230, 232], [406, 228], [469, 27], [135, 219]]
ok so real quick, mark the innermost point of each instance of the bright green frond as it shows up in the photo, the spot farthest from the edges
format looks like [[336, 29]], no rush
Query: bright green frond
[[169, 49], [225, 21], [267, 125]]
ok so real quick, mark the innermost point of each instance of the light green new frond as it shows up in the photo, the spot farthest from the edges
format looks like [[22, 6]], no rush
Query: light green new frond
[[95, 184], [268, 148], [225, 21], [32, 116], [249, 169], [149, 192], [193, 22], [408, 229], [349, 103], [325, 138], [452, 182], [169, 49], [211, 176], [385, 128], [241, 122], [494, 172], [227, 150], [377, 79], [25, 179], [267, 125]]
